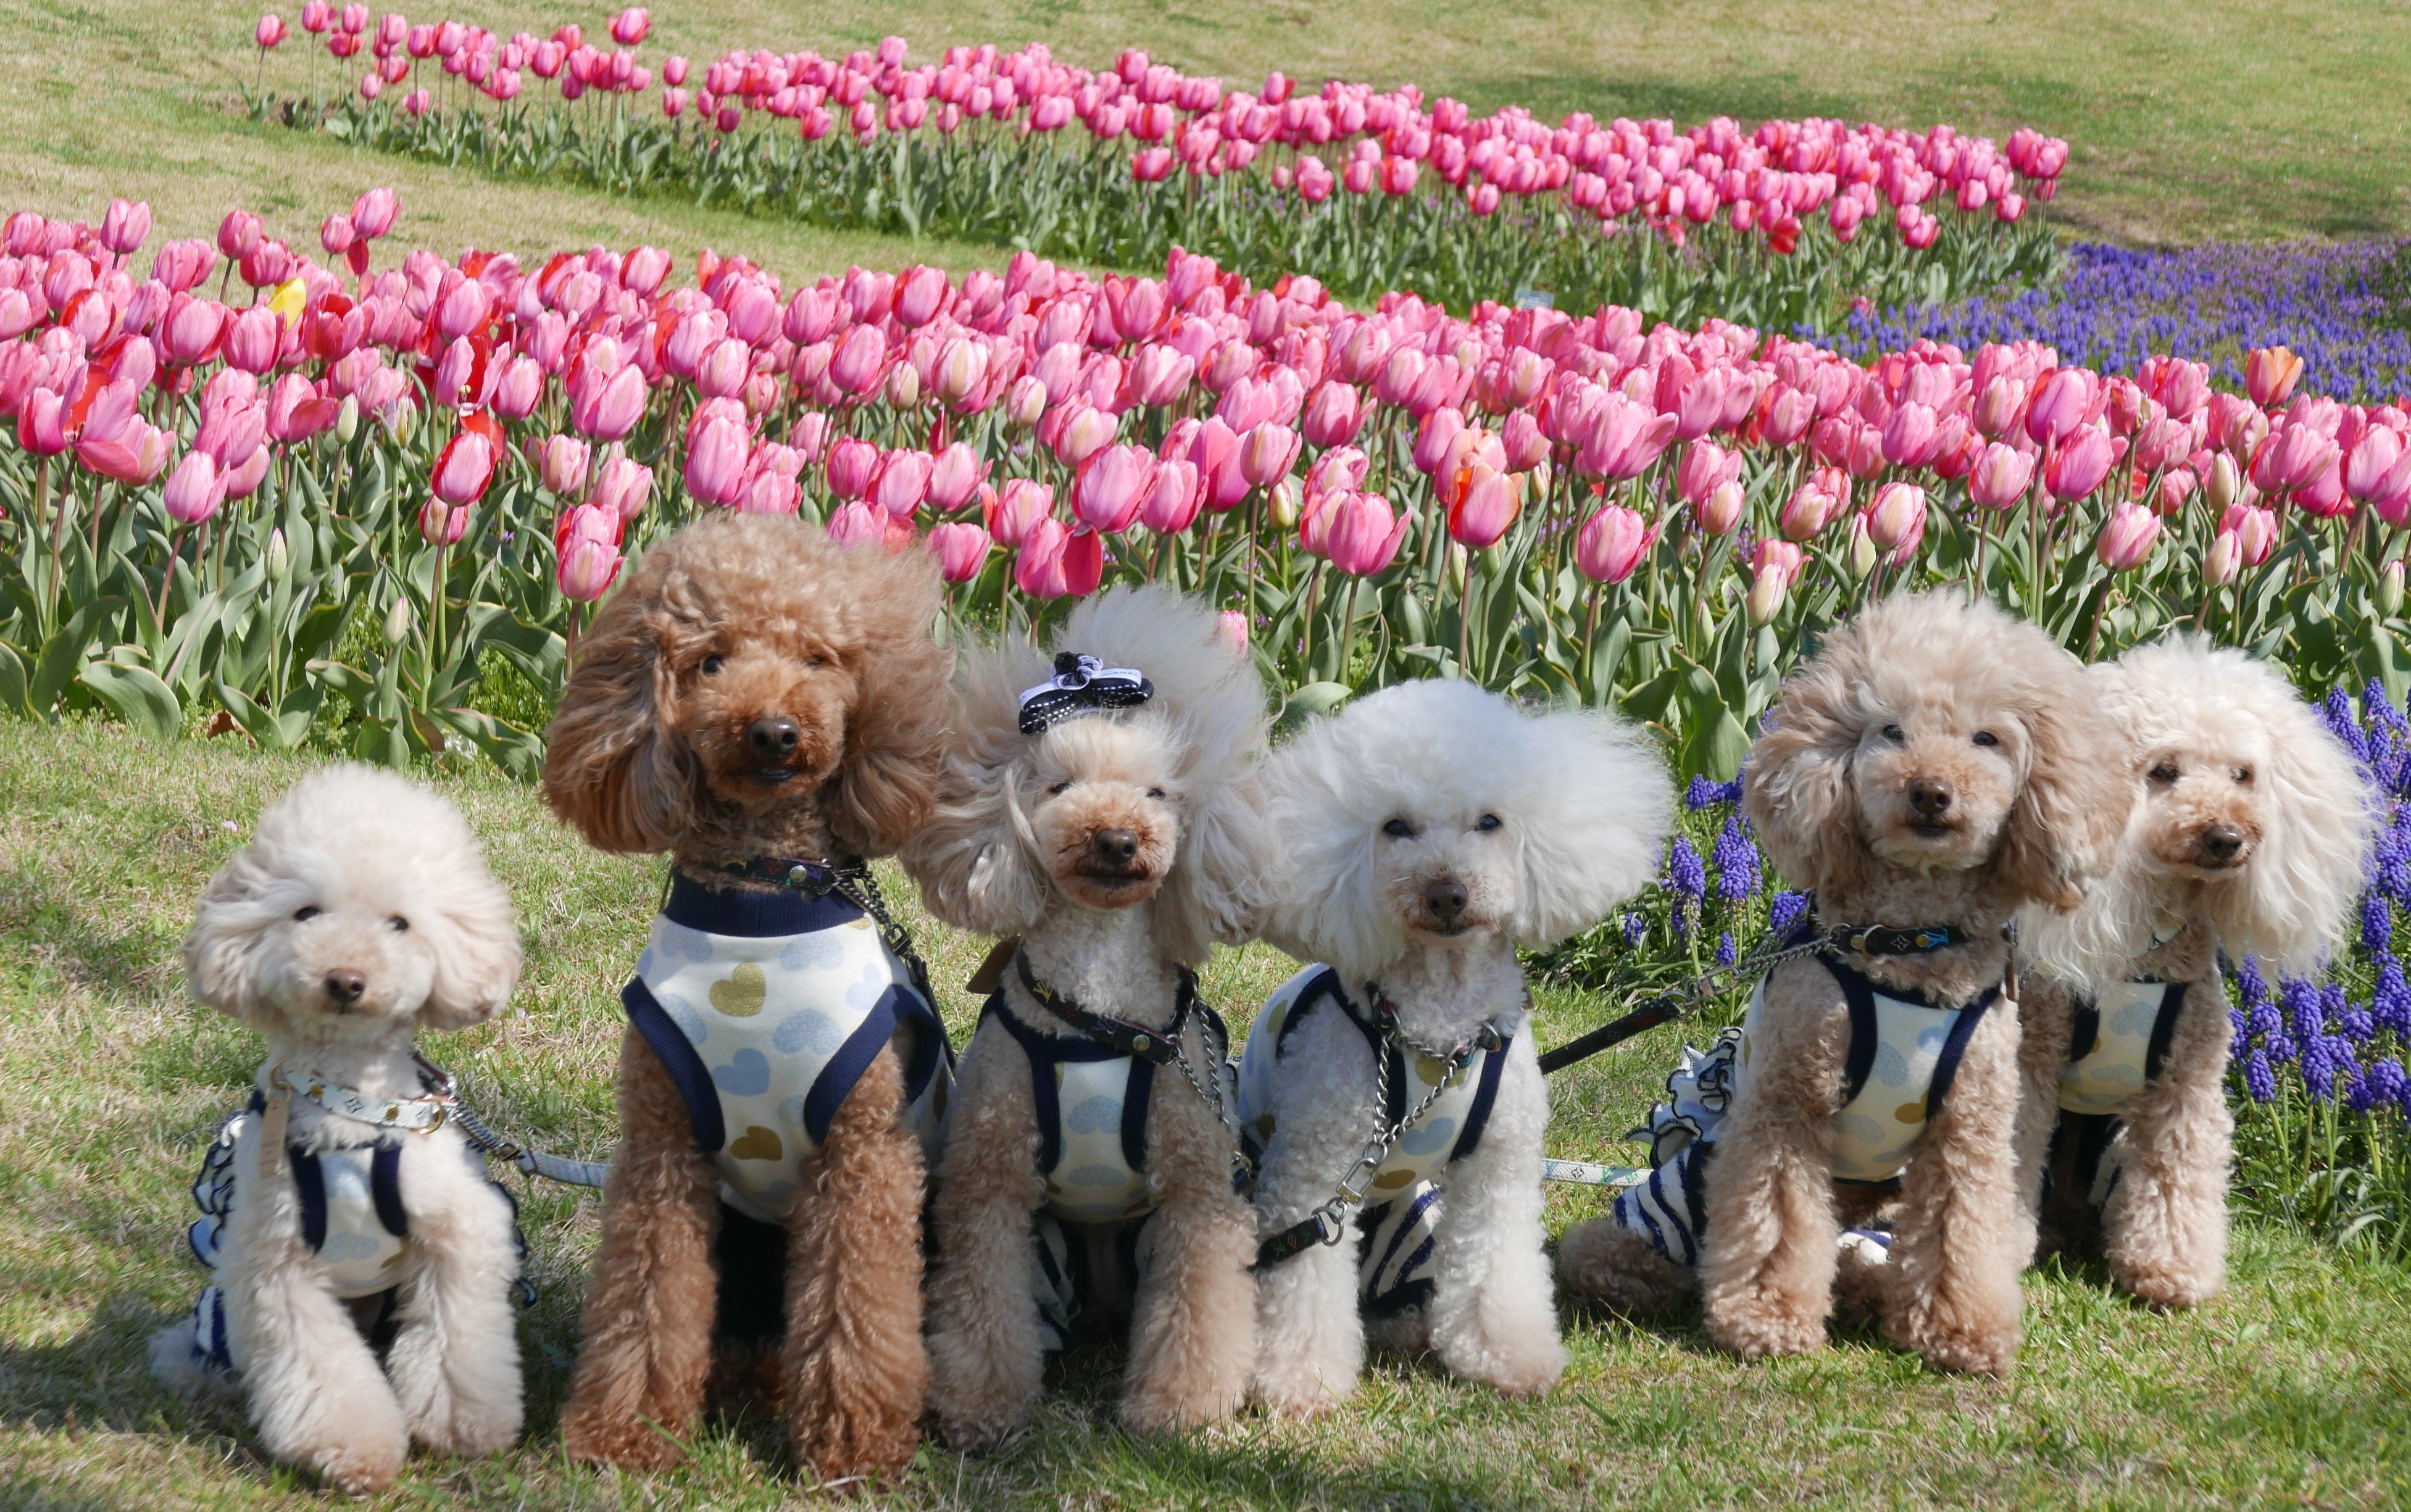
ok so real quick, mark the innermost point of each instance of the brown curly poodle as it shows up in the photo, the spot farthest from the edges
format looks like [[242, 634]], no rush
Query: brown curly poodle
[[1937, 764], [2250, 826], [752, 697]]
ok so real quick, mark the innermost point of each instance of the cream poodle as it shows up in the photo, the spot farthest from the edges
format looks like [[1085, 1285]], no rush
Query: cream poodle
[[1099, 808], [1429, 829], [2250, 828], [343, 1214], [1936, 767]]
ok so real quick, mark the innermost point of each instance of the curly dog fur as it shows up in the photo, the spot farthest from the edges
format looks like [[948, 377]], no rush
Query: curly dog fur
[[360, 913], [1430, 830], [1018, 847], [2250, 827], [733, 626], [1935, 763]]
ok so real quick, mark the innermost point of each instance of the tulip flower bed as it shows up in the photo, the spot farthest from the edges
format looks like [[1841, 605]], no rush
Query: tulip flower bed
[[387, 485], [2342, 306], [1369, 192]]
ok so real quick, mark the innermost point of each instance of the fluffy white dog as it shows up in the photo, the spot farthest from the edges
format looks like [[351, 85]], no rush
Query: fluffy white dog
[[1430, 829], [341, 1211]]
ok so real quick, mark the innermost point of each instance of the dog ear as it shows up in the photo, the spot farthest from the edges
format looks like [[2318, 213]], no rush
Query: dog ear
[[2292, 902], [1218, 891], [1797, 788], [221, 951], [1596, 806], [896, 731], [2066, 825], [976, 858], [612, 767], [477, 947]]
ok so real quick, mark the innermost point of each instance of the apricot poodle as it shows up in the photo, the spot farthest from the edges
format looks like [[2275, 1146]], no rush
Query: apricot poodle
[[1430, 830], [1935, 767], [1100, 810], [343, 1217], [769, 708], [2248, 834]]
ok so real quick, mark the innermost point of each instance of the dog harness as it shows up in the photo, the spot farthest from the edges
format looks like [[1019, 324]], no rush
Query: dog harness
[[1395, 1227], [767, 1009], [352, 1217], [1904, 1053], [2116, 1044], [1092, 1093]]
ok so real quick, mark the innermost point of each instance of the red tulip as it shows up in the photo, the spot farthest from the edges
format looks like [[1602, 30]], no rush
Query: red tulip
[[1486, 502]]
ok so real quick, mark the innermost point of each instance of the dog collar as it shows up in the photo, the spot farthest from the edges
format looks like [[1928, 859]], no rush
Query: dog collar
[[1159, 1046], [813, 879], [1489, 1036], [423, 1114], [1890, 940]]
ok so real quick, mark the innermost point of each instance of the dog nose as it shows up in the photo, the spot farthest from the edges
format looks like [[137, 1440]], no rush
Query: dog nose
[[773, 738], [1444, 900], [1931, 799], [1114, 848], [345, 985], [2221, 842]]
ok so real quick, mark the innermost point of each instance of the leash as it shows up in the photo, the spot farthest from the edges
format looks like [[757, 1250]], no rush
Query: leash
[[1328, 1223], [1871, 939], [1159, 1047], [445, 1090]]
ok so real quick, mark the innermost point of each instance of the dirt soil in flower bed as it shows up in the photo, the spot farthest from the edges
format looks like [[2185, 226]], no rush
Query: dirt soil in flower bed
[[2190, 119], [2289, 1389]]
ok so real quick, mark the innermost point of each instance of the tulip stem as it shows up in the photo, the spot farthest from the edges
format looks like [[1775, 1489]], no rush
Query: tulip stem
[[1464, 616], [1306, 623], [168, 577]]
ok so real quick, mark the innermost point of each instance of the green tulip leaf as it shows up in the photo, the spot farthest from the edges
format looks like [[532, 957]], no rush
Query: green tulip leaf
[[136, 695]]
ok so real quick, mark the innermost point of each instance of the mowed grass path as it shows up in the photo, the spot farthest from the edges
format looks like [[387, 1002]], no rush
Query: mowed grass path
[[2191, 119], [2290, 1388]]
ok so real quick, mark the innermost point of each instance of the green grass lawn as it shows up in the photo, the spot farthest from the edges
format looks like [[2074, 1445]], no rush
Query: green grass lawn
[[2190, 118], [2290, 1388]]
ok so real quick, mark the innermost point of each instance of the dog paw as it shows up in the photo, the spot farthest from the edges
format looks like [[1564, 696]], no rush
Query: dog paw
[[1765, 1332], [1302, 1400], [1149, 1407], [625, 1446], [1524, 1373], [1962, 1351], [356, 1469], [968, 1436], [2166, 1289]]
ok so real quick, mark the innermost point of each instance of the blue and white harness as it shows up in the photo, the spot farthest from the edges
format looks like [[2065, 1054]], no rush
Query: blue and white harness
[[353, 1221], [1403, 1192], [1903, 1057], [2115, 1047], [1092, 1094], [767, 1009]]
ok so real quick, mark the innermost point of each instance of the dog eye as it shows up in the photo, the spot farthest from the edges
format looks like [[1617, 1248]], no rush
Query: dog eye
[[816, 660], [1894, 734], [302, 916], [1155, 792], [1059, 789], [711, 667], [1986, 738], [1487, 823], [2243, 774], [1398, 829], [2165, 772], [399, 923]]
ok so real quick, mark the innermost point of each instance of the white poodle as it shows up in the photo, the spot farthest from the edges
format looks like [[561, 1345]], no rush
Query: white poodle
[[342, 1210], [1430, 830], [2247, 837]]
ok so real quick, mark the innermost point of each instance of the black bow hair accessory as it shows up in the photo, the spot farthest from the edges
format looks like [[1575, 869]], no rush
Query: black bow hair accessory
[[1082, 685]]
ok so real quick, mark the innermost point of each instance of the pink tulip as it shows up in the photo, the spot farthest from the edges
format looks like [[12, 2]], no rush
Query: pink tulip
[[1267, 452], [954, 476], [239, 234], [1896, 518], [41, 424], [125, 225], [1015, 512], [269, 32], [2378, 467], [1056, 561], [1332, 415], [961, 550], [251, 339], [624, 485], [2224, 562], [2000, 477], [297, 411], [2127, 539], [464, 468], [194, 491], [903, 482], [1112, 485], [443, 524], [2063, 403], [560, 462], [2255, 529], [588, 568], [2292, 457], [1626, 437], [2176, 485], [1173, 504], [608, 410], [1808, 510], [1436, 440], [861, 361], [853, 466], [1363, 535], [1612, 543], [1231, 629], [2082, 463], [1720, 511], [1704, 468]]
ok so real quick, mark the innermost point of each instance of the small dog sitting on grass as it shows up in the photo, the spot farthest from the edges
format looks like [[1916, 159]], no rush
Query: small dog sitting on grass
[[2250, 826], [1428, 830], [362, 1261]]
